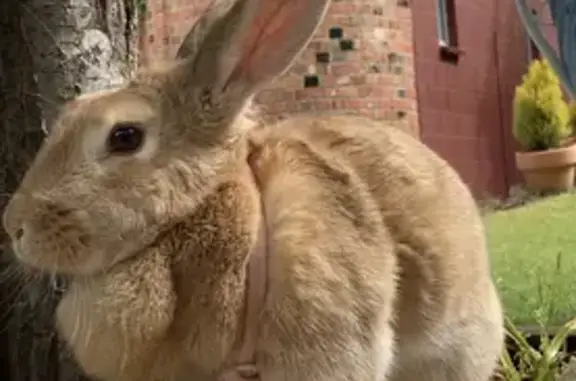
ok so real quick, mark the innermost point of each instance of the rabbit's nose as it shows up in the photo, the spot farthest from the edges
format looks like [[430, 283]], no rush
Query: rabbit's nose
[[19, 233], [13, 227], [12, 218]]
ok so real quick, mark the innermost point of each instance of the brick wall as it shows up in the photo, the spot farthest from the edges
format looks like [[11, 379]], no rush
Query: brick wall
[[465, 106], [361, 59]]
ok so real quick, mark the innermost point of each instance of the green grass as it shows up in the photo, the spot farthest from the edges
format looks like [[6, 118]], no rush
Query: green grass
[[533, 250]]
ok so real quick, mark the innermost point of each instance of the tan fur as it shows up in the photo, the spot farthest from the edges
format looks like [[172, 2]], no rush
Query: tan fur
[[378, 264]]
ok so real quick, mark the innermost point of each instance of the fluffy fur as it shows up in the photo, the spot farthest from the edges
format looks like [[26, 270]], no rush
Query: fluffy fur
[[378, 266]]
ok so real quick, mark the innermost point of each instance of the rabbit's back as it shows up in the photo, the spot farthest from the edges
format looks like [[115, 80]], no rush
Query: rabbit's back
[[428, 213], [403, 252]]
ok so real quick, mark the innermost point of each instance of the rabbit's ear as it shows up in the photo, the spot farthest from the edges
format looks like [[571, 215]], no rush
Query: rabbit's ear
[[249, 45]]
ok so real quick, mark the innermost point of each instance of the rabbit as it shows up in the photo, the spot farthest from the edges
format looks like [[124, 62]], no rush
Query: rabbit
[[151, 199]]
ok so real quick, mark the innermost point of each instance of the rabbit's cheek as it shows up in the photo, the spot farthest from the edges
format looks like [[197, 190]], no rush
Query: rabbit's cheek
[[91, 262], [120, 233]]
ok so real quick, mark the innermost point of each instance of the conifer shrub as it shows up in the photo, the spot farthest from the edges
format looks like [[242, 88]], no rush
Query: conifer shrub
[[541, 115]]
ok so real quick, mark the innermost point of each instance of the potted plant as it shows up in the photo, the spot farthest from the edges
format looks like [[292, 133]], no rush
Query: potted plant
[[542, 127]]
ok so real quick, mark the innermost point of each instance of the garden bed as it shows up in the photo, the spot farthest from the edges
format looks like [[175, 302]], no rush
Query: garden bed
[[532, 244], [562, 364], [533, 253]]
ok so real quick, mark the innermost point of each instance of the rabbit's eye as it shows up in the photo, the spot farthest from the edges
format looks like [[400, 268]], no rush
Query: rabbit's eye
[[125, 138]]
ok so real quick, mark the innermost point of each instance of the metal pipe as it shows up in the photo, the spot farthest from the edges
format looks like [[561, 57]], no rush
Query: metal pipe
[[533, 29]]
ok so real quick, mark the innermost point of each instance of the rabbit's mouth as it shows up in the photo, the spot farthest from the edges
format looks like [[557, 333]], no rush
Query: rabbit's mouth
[[56, 253], [73, 252], [76, 242]]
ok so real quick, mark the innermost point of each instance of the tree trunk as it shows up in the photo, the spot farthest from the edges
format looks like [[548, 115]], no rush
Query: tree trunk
[[79, 46], [50, 51]]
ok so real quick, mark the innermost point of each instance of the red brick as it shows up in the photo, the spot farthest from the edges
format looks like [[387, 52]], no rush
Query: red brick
[[345, 7], [349, 85], [339, 69], [310, 93]]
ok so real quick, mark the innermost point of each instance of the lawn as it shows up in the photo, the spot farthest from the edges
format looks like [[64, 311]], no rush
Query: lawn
[[533, 250]]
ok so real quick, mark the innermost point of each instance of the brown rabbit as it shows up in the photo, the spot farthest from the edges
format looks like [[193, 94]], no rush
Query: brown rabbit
[[160, 200]]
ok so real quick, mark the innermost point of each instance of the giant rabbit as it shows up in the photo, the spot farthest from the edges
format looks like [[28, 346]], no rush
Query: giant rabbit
[[201, 242]]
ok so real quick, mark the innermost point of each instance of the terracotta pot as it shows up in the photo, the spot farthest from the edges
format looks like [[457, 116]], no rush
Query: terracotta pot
[[550, 170]]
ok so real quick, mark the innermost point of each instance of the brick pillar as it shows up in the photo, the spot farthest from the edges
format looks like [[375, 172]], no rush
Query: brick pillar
[[361, 60], [167, 22]]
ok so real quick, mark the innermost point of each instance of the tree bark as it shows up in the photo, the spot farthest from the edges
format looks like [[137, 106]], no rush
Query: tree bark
[[50, 51], [79, 46]]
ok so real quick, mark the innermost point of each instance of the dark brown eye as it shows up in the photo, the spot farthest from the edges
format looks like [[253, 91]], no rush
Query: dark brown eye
[[125, 138]]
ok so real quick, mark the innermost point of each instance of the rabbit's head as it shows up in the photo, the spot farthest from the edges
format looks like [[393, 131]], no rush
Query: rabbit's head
[[120, 166]]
